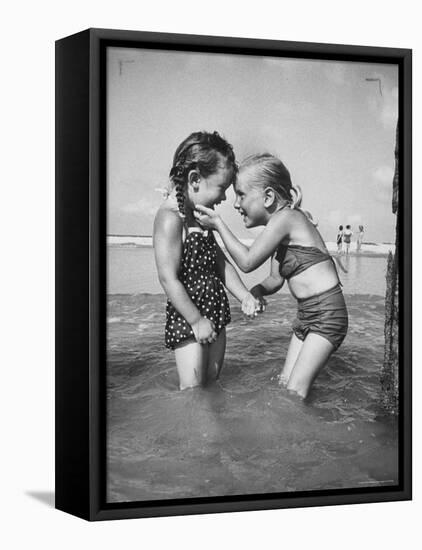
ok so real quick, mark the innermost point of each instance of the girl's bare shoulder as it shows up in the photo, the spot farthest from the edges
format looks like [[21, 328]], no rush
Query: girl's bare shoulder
[[167, 219], [292, 224], [279, 225], [293, 216], [283, 218]]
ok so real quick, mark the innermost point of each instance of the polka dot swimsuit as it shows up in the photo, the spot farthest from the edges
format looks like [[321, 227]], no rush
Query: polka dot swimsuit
[[198, 274]]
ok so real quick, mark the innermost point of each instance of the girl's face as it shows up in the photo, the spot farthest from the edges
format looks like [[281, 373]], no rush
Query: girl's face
[[250, 201], [211, 190]]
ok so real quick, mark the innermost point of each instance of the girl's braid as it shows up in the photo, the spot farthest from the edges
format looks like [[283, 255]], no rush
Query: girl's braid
[[178, 177], [179, 186]]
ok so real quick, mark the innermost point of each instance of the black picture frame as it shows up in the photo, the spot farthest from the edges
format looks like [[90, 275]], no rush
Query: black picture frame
[[81, 262]]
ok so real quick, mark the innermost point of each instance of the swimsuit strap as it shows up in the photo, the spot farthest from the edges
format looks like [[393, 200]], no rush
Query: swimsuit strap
[[189, 230], [195, 229]]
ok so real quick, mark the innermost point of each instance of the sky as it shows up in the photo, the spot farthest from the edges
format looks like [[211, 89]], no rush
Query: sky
[[333, 129]]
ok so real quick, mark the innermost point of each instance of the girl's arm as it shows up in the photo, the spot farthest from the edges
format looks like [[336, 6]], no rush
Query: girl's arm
[[271, 284], [247, 258], [168, 253], [230, 276], [339, 263], [234, 284]]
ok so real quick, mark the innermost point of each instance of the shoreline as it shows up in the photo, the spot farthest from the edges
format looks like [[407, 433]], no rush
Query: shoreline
[[368, 249]]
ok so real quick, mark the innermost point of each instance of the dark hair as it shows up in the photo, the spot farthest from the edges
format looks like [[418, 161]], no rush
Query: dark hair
[[340, 227], [347, 226], [201, 151]]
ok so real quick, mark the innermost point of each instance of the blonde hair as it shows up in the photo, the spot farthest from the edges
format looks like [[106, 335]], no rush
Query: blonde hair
[[268, 171]]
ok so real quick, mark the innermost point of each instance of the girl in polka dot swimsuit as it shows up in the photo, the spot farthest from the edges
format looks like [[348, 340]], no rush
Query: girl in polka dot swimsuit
[[193, 270]]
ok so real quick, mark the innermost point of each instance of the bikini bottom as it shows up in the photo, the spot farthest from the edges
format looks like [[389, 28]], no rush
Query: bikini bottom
[[324, 314]]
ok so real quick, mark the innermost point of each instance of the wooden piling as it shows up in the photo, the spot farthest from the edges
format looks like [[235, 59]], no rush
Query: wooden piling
[[389, 375]]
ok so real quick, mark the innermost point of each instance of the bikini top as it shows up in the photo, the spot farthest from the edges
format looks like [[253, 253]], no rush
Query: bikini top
[[295, 259]]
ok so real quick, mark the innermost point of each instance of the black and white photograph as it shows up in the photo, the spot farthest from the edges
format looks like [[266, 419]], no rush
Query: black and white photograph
[[252, 290], [210, 230]]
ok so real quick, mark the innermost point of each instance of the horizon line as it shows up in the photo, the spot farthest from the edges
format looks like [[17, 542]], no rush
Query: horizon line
[[126, 235]]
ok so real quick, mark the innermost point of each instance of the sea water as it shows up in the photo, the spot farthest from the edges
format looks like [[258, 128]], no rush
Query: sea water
[[244, 434], [131, 270]]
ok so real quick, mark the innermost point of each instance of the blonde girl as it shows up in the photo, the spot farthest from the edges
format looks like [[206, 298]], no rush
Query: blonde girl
[[266, 196]]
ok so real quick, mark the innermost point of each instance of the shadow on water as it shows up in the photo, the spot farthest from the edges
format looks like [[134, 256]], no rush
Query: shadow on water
[[45, 497]]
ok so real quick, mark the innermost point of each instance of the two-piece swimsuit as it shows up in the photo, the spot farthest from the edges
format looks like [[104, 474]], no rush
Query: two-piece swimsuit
[[198, 274], [325, 313]]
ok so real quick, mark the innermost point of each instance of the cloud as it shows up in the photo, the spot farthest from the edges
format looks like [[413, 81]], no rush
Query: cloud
[[383, 181], [143, 206], [383, 175], [389, 111], [384, 107]]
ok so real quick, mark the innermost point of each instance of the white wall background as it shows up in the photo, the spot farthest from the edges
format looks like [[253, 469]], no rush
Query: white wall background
[[27, 273]]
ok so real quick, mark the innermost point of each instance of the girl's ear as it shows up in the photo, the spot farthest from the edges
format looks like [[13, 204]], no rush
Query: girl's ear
[[193, 179], [270, 198]]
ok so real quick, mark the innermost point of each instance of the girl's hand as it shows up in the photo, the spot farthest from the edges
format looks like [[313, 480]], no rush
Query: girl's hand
[[206, 216], [204, 331], [257, 294], [250, 306]]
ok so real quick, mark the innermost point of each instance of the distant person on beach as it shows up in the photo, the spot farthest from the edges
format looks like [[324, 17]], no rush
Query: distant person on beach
[[347, 238], [192, 269], [359, 240], [266, 196], [340, 240]]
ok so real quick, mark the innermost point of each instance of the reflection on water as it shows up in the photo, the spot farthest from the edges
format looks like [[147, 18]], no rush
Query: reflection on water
[[131, 270], [245, 434]]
